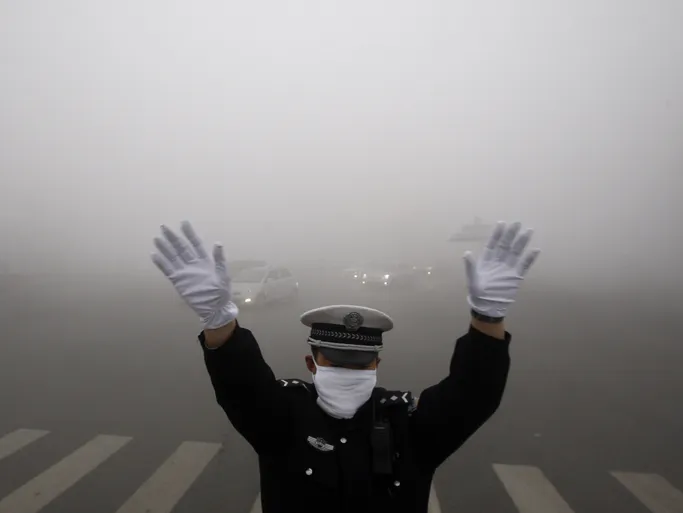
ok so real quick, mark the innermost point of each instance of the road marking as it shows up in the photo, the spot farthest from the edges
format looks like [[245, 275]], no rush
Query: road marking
[[256, 508], [17, 440], [41, 490], [162, 491], [434, 505], [528, 487], [530, 490], [655, 492]]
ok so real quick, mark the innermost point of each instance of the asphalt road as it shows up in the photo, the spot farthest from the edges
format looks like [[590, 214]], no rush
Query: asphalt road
[[595, 388]]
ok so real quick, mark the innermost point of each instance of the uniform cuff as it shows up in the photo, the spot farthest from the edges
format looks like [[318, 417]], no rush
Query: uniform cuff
[[483, 338], [202, 339]]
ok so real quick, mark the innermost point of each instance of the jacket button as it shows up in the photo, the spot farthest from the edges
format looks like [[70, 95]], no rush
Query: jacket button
[[309, 471], [397, 483], [343, 440]]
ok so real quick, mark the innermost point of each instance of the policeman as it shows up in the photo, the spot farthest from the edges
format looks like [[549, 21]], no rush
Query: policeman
[[341, 444]]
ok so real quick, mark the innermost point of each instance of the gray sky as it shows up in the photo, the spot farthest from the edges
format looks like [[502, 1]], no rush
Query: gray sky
[[300, 128]]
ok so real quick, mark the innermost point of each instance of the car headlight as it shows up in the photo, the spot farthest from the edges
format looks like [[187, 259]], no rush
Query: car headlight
[[365, 276], [386, 276], [248, 300], [355, 276]]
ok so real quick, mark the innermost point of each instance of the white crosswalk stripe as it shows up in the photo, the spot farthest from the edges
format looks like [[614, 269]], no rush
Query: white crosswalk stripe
[[434, 505], [655, 492], [530, 490], [162, 491], [256, 508], [527, 486], [17, 440], [41, 490]]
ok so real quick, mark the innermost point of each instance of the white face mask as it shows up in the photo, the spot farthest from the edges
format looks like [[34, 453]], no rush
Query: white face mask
[[341, 392]]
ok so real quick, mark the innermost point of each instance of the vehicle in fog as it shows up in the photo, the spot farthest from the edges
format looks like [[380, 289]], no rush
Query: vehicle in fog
[[387, 275], [353, 273], [473, 232], [237, 266], [259, 286], [424, 274]]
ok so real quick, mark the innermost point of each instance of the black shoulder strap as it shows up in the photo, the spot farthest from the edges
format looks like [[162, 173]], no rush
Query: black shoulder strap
[[387, 406]]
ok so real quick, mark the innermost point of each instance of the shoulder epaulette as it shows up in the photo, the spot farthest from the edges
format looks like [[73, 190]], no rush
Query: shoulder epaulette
[[294, 383], [395, 397]]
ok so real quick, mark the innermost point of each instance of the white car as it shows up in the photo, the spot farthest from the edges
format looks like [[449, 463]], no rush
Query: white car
[[262, 285]]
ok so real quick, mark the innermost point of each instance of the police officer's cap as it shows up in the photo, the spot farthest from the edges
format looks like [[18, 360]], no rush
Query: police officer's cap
[[347, 334]]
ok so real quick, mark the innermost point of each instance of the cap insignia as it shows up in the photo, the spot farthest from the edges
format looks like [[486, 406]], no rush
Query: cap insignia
[[353, 321]]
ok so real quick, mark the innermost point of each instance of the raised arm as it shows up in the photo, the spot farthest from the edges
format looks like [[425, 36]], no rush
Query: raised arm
[[244, 384], [449, 412], [257, 405]]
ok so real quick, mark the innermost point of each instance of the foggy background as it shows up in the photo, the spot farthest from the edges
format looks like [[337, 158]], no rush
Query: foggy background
[[299, 130], [321, 135]]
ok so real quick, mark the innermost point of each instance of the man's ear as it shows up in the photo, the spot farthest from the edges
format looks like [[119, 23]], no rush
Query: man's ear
[[310, 364]]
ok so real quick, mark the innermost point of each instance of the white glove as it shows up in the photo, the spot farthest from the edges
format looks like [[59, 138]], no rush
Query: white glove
[[494, 278], [201, 281]]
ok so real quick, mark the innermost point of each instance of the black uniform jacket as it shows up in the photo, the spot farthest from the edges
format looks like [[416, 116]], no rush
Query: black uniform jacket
[[311, 462]]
